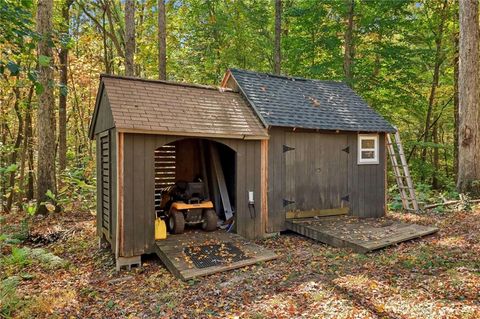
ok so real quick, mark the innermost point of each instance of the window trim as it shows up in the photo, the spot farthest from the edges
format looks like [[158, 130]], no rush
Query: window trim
[[366, 161]]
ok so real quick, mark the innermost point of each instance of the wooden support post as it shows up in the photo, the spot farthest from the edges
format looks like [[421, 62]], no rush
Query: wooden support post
[[119, 238]]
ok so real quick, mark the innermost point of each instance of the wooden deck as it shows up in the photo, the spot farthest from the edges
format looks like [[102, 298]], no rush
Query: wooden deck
[[172, 252], [361, 235]]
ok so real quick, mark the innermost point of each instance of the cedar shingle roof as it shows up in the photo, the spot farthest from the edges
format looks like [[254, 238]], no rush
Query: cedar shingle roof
[[304, 103], [161, 106]]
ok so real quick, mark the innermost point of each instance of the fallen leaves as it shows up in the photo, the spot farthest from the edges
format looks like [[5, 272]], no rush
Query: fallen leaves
[[433, 277]]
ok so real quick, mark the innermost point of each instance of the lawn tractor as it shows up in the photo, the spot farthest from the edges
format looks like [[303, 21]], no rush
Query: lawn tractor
[[187, 203]]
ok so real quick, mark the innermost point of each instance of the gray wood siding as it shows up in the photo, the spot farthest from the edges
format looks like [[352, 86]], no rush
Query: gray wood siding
[[367, 183], [139, 191], [316, 170], [112, 191], [318, 173], [104, 119]]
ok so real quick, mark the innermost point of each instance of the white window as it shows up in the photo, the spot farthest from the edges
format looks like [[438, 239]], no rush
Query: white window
[[367, 148]]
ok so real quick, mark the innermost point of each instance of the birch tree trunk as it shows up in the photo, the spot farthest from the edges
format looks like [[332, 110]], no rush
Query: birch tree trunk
[[277, 54], [162, 41], [129, 37], [45, 113], [468, 88], [349, 46]]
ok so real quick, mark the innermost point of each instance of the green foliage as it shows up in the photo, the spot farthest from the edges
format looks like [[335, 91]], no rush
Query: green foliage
[[19, 258], [22, 257], [9, 300], [44, 60]]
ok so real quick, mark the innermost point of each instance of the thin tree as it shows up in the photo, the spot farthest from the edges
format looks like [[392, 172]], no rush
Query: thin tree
[[349, 48], [129, 37], [16, 147], [45, 112], [62, 101], [468, 177], [439, 58], [162, 41], [277, 52], [455, 102]]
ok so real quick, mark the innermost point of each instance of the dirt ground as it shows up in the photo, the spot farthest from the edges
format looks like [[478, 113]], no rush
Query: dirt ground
[[433, 277]]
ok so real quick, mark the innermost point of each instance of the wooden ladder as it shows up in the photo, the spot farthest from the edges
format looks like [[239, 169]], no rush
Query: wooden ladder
[[401, 171]]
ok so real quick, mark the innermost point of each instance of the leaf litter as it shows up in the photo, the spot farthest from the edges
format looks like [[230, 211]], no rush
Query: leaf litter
[[433, 277]]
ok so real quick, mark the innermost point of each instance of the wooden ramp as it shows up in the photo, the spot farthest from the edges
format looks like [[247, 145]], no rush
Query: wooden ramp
[[361, 235], [199, 253]]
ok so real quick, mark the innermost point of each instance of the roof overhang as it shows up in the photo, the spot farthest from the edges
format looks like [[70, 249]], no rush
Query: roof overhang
[[194, 134]]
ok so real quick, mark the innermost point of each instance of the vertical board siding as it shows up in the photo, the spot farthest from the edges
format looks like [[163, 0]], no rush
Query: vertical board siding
[[139, 193], [139, 189], [149, 194], [113, 193], [318, 173], [276, 179], [104, 119], [129, 191], [318, 167], [367, 182]]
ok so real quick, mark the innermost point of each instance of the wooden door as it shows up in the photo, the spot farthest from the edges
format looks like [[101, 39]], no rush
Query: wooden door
[[316, 171]]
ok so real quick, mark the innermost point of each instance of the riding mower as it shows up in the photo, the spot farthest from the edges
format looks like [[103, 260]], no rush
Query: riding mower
[[187, 203]]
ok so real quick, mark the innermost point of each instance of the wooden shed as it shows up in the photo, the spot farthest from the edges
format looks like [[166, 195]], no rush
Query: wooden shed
[[326, 148], [299, 145], [137, 121]]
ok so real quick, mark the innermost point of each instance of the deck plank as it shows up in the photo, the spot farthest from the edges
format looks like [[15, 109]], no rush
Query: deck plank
[[361, 235], [171, 252]]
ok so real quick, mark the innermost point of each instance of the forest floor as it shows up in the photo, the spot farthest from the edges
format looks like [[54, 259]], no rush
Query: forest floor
[[433, 277]]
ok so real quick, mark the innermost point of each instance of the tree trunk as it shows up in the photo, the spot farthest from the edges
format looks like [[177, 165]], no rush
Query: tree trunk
[[62, 101], [106, 59], [30, 194], [129, 37], [26, 145], [469, 94], [455, 104], [439, 57], [45, 112], [349, 46], [16, 147], [162, 41], [277, 54], [436, 157]]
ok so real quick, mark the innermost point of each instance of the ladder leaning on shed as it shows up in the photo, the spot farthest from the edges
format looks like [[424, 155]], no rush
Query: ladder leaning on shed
[[401, 171]]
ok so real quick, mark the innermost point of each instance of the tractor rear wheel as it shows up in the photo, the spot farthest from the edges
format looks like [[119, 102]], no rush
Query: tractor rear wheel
[[176, 222], [210, 220]]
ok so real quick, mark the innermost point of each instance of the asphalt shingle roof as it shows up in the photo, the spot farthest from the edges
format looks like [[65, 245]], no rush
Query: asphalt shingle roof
[[305, 103], [151, 105]]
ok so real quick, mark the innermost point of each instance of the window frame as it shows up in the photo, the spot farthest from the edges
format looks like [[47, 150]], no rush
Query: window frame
[[375, 149]]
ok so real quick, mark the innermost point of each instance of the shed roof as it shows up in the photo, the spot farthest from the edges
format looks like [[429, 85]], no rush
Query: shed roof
[[153, 106], [306, 103]]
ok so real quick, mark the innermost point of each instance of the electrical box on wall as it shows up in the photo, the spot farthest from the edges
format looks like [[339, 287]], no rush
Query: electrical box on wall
[[250, 198]]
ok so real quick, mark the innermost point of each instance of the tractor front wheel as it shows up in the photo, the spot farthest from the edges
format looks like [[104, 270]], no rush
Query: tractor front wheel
[[210, 220], [176, 222]]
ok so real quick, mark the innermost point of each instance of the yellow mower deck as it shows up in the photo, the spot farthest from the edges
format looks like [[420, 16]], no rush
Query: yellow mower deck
[[184, 206]]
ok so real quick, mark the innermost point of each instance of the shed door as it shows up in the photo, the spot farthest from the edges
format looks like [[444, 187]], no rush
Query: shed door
[[106, 182], [316, 171]]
